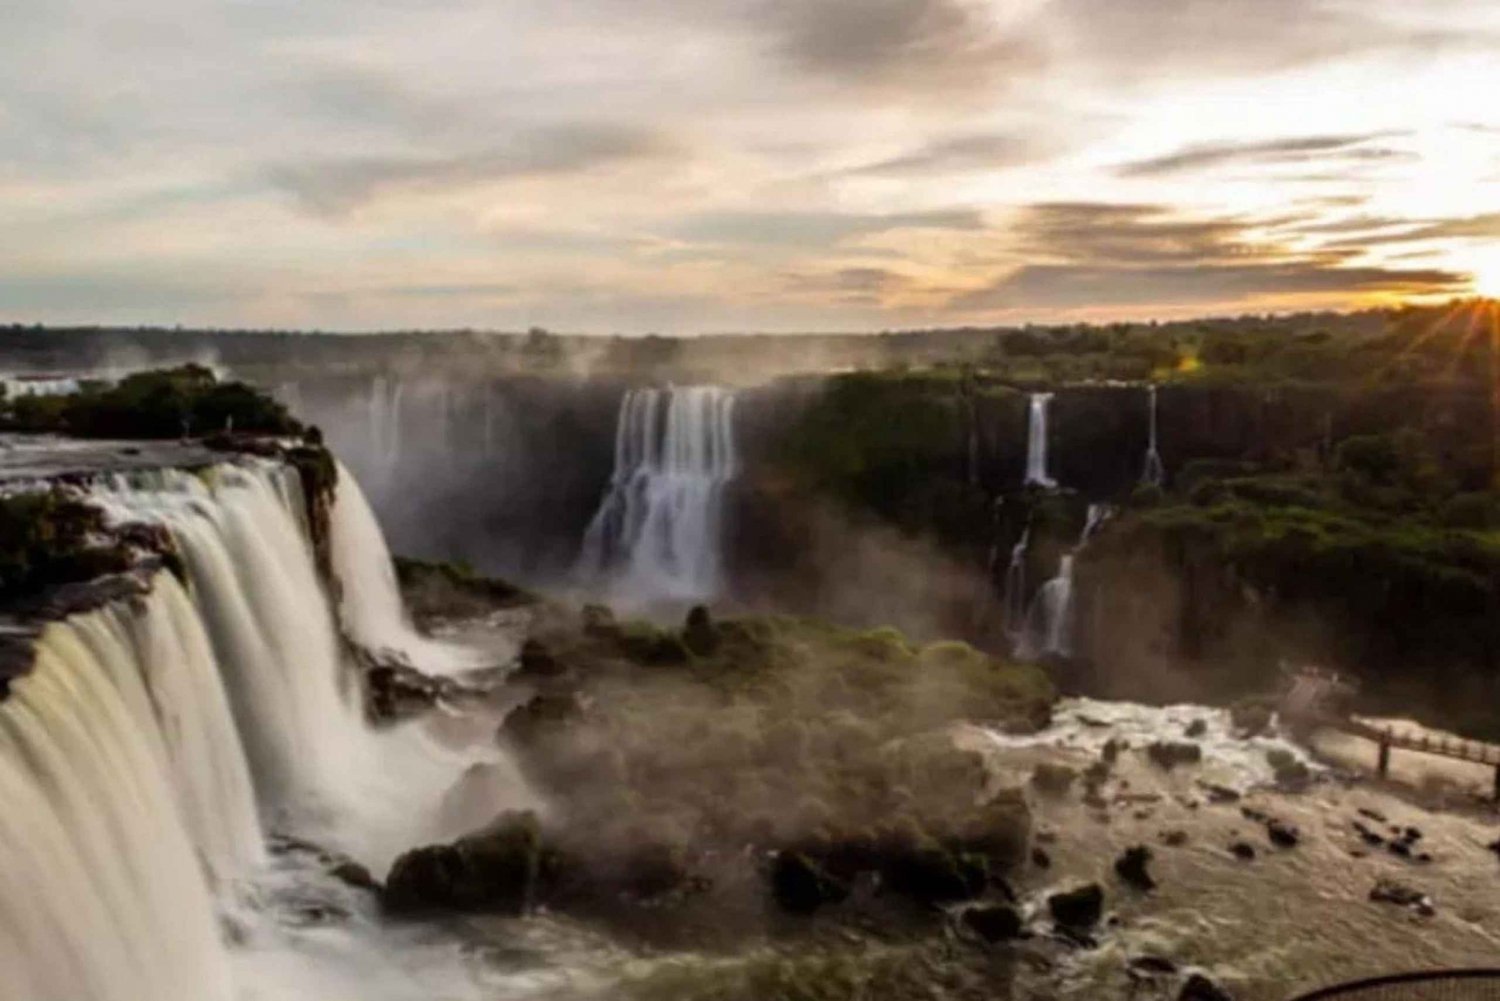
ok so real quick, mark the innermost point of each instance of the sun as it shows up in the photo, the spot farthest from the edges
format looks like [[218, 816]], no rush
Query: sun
[[1484, 267]]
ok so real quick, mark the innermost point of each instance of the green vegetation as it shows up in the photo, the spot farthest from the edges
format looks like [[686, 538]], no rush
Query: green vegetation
[[167, 403], [48, 539], [436, 591], [664, 750]]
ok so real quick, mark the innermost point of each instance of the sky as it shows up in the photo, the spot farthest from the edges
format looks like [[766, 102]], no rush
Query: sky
[[701, 166]]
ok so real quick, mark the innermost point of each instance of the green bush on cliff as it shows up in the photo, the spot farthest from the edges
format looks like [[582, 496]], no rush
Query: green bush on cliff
[[47, 539], [165, 403]]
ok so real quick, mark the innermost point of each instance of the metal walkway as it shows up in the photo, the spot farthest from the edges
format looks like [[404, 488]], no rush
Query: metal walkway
[[1432, 985]]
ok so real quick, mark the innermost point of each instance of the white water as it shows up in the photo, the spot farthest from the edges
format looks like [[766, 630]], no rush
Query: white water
[[120, 771], [1036, 441], [141, 755], [1152, 472], [16, 386], [370, 605], [1015, 586], [1052, 623], [657, 533]]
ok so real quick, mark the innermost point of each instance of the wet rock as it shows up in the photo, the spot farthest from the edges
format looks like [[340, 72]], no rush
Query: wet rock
[[698, 632], [1110, 753], [1388, 891], [1254, 815], [352, 873], [1195, 729], [1249, 719], [1399, 848], [992, 922], [493, 870], [1219, 794], [1079, 908], [1200, 988], [930, 874], [1291, 774], [1052, 779], [801, 886], [1374, 815], [1174, 838], [536, 661], [1096, 774], [1412, 835], [1282, 835], [396, 692], [1171, 753], [543, 715], [1369, 837], [1242, 850], [1151, 966], [1131, 868], [1040, 858]]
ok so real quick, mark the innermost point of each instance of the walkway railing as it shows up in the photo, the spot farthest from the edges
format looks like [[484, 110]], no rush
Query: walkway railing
[[1431, 985], [1386, 739]]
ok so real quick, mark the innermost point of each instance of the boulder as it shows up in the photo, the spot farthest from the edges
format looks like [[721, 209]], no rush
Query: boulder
[[1150, 966], [1110, 753], [698, 633], [1052, 779], [992, 922], [1219, 794], [1388, 891], [1199, 988], [493, 870], [353, 874], [599, 621], [1131, 868], [1195, 729], [1291, 774], [1174, 838], [1282, 835], [1242, 850], [536, 661], [931, 874], [1250, 719], [1079, 908], [543, 715], [1040, 858], [801, 886], [1171, 753]]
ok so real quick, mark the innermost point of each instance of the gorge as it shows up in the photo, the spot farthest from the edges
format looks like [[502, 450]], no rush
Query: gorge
[[242, 764]]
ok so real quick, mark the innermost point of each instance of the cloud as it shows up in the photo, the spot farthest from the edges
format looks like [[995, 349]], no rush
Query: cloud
[[1122, 255], [964, 153], [910, 47], [1292, 150], [821, 229], [334, 187]]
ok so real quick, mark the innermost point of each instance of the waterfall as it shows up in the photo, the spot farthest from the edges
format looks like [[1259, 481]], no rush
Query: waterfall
[[1050, 622], [1152, 472], [656, 534], [1036, 441], [120, 769], [370, 605], [1015, 585], [154, 736]]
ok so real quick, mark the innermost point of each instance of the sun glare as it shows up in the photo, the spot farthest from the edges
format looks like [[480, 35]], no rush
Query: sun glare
[[1485, 269]]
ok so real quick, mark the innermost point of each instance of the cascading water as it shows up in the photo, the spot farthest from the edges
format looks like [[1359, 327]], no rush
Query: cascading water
[[1051, 621], [1036, 441], [120, 770], [1152, 471], [657, 532], [152, 737], [370, 606], [1015, 586]]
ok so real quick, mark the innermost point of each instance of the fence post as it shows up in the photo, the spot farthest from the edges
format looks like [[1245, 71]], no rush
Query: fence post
[[1384, 763]]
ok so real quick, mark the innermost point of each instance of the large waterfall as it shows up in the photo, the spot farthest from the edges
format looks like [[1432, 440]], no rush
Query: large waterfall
[[1036, 441], [154, 738], [1152, 471], [657, 533]]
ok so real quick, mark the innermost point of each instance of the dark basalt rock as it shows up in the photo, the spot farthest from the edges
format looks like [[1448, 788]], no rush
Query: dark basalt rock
[[1242, 850], [1040, 858], [993, 922], [1052, 779], [698, 633], [1388, 891], [1131, 868], [543, 715], [536, 661], [802, 886], [493, 870], [1282, 835], [599, 622], [930, 874], [1291, 775], [1219, 794], [1174, 838], [1079, 908], [1171, 753], [1250, 719], [1195, 729], [1200, 988], [1150, 966], [352, 873]]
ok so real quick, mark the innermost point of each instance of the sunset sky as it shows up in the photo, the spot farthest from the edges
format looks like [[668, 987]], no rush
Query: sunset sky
[[689, 166]]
